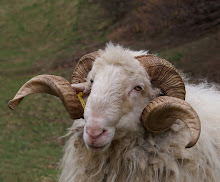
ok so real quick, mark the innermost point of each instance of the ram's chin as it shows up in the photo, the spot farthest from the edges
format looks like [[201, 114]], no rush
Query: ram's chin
[[98, 149]]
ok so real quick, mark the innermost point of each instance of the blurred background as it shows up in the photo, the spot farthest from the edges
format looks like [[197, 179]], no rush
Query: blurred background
[[49, 36]]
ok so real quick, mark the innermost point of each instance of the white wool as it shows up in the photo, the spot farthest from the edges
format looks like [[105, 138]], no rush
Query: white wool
[[139, 155], [112, 51]]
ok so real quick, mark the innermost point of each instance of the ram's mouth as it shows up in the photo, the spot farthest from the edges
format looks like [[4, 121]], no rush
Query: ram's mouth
[[97, 148]]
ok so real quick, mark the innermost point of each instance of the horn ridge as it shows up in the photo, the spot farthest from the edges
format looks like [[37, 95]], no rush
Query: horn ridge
[[83, 67], [163, 111], [163, 75], [54, 85]]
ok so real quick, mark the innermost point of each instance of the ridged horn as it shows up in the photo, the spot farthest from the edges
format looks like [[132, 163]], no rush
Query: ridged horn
[[54, 85], [163, 111], [83, 67], [163, 75]]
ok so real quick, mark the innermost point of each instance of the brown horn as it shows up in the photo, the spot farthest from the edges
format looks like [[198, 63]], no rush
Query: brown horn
[[53, 85], [83, 67], [163, 111], [163, 75]]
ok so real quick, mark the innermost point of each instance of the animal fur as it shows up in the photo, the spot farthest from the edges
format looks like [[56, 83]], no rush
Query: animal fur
[[136, 155]]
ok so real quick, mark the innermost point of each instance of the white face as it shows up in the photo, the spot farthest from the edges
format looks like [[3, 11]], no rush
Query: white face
[[115, 104]]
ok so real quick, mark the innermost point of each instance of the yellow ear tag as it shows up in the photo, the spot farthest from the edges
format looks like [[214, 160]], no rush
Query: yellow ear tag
[[80, 94]]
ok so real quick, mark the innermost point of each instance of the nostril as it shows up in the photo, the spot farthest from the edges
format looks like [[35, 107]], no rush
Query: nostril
[[95, 133]]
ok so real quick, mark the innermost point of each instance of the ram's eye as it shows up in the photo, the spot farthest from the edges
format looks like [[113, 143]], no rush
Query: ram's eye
[[138, 88], [91, 80]]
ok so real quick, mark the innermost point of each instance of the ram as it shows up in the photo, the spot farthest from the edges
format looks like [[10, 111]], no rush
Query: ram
[[141, 122]]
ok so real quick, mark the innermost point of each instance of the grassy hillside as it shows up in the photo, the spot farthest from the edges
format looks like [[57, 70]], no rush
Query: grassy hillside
[[34, 35], [39, 36], [36, 31]]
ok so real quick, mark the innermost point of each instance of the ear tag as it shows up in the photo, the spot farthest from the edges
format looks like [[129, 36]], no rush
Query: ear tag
[[80, 94]]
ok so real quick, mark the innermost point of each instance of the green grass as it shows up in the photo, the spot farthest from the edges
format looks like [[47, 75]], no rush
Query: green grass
[[29, 135], [35, 31], [33, 35]]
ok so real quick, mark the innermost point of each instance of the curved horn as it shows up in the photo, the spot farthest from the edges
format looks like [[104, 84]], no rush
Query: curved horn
[[163, 75], [53, 85], [83, 67], [163, 111]]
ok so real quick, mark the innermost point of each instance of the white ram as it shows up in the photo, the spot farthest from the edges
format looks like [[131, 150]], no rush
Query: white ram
[[132, 128]]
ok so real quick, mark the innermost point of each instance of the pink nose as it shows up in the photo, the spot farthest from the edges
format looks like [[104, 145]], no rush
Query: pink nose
[[94, 132]]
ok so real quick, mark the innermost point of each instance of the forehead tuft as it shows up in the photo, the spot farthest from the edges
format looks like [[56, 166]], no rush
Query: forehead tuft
[[118, 56]]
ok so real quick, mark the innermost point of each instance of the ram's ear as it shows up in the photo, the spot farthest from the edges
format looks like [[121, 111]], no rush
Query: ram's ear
[[79, 87]]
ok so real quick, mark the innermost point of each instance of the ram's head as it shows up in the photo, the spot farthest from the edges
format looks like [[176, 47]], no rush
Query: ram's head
[[121, 90]]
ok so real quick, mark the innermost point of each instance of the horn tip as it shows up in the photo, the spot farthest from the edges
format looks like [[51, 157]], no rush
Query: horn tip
[[190, 144], [12, 105]]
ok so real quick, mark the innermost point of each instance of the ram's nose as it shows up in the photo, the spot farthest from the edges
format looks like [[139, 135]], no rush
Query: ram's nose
[[95, 132]]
